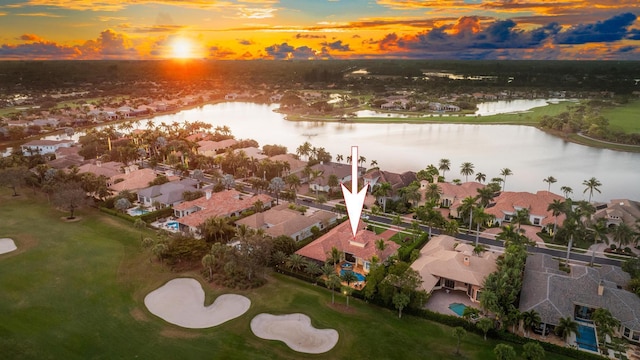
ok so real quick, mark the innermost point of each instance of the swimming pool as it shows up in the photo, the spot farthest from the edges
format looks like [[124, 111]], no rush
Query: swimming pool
[[360, 277], [586, 338], [172, 225], [138, 212], [457, 308]]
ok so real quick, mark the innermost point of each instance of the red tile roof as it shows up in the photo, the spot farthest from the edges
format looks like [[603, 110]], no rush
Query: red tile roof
[[340, 237], [220, 204], [508, 202]]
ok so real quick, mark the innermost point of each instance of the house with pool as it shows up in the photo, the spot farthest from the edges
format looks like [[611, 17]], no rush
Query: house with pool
[[446, 263], [555, 294], [191, 214], [357, 251]]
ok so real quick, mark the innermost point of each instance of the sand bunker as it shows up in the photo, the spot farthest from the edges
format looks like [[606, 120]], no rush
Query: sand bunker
[[296, 331], [7, 245], [181, 302]]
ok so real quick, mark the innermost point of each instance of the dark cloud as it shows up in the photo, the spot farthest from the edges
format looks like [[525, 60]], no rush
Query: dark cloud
[[109, 45], [38, 51], [612, 29], [217, 52], [337, 46], [285, 51], [310, 36], [634, 34], [245, 42], [153, 29]]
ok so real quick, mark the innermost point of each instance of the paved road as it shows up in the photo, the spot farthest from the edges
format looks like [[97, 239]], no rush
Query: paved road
[[330, 206]]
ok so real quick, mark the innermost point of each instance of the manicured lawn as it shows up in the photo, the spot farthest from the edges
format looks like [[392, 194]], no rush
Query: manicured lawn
[[625, 117], [75, 290]]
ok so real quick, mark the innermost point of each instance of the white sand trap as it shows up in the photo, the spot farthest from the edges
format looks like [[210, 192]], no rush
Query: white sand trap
[[296, 331], [181, 302], [7, 245]]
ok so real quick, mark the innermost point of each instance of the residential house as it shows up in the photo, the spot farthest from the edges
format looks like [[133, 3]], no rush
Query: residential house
[[436, 106], [252, 153], [397, 181], [213, 148], [227, 203], [358, 250], [167, 194], [282, 220], [106, 169], [341, 171], [296, 166], [452, 194], [131, 180], [446, 263], [45, 146], [555, 294], [506, 205], [619, 211]]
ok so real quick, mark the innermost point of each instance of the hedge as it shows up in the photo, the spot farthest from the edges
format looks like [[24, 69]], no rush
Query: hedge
[[155, 215]]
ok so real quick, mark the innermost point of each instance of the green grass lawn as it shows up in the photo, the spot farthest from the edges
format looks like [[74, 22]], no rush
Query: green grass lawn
[[75, 290], [625, 117]]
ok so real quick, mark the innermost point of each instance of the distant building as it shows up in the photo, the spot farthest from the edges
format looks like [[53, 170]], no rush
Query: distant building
[[45, 146]]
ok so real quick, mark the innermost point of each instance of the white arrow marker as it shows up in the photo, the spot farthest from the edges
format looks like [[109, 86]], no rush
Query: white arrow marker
[[354, 199]]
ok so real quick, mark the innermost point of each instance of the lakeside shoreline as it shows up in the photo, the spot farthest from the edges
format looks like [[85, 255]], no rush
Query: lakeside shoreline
[[294, 117]]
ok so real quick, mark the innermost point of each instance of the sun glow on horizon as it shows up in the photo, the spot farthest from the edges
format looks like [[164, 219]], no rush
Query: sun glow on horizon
[[182, 48]]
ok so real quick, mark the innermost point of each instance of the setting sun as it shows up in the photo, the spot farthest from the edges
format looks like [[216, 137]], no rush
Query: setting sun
[[182, 49]]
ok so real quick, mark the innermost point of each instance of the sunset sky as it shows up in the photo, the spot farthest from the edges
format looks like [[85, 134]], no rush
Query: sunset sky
[[320, 29]]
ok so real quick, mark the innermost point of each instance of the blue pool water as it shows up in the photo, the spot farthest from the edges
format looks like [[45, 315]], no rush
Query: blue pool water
[[138, 212], [360, 277], [173, 225], [457, 308], [586, 338]]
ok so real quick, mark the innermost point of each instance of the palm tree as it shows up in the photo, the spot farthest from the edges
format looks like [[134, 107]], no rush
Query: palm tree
[[334, 255], [295, 262], [600, 231], [556, 208], [444, 166], [521, 217], [400, 300], [549, 180], [333, 282], [481, 177], [485, 195], [566, 190], [591, 185], [381, 245], [276, 185], [339, 158], [480, 218], [433, 192], [466, 169], [505, 172], [381, 191], [467, 204], [565, 327], [532, 351], [294, 183], [504, 352], [623, 234], [459, 332], [208, 262], [605, 322], [374, 163], [484, 324], [530, 319]]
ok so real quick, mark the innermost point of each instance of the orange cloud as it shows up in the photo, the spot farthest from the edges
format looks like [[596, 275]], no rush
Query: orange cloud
[[30, 37], [115, 5]]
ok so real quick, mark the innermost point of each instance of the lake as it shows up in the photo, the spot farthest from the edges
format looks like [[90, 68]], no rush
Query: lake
[[531, 154]]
